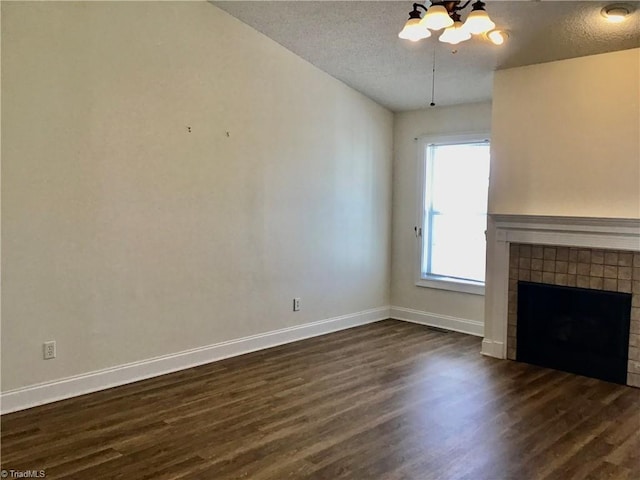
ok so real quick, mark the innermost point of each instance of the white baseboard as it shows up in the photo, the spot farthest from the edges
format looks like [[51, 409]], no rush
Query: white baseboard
[[48, 392], [462, 325], [492, 348]]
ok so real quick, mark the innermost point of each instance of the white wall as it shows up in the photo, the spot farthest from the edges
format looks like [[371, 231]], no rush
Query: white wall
[[566, 138], [409, 126], [125, 236]]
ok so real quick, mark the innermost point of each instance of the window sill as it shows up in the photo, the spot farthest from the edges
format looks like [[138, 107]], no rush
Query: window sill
[[451, 284]]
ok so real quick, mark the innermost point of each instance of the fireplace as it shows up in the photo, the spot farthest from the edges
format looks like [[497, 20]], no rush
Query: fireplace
[[577, 330], [572, 276], [569, 253]]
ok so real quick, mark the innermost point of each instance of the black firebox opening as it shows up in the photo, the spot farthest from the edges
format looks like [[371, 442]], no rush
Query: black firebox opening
[[577, 330]]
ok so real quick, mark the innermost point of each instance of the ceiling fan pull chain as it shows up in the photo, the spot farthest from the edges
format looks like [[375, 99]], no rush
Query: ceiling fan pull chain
[[433, 79]]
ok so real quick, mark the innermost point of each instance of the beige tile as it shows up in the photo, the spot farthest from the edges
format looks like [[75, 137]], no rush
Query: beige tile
[[635, 299], [572, 280], [511, 330], [633, 366], [548, 277], [596, 270], [536, 264], [549, 253], [512, 319], [524, 263], [511, 354], [536, 276], [636, 274], [610, 284], [611, 258], [512, 308], [572, 269], [624, 286], [562, 254], [596, 283], [624, 273], [513, 284], [584, 269], [635, 287], [584, 256], [634, 326], [525, 251], [635, 313], [536, 252], [597, 257], [582, 281], [524, 275], [573, 254], [625, 259], [513, 261], [549, 266], [513, 273], [634, 354], [562, 267], [610, 271], [633, 379], [636, 259], [560, 279], [634, 340]]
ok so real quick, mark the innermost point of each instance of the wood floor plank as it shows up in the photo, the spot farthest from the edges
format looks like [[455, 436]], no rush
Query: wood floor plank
[[389, 400]]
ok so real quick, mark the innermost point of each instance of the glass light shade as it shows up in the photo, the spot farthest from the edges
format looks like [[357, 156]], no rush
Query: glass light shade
[[414, 31], [436, 18], [478, 21], [455, 34]]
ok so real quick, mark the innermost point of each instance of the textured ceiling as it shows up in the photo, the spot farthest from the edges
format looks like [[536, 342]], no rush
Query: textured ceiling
[[357, 43]]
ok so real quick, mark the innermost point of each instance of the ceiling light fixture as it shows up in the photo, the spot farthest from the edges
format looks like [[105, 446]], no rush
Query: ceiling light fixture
[[617, 12], [441, 15], [498, 37]]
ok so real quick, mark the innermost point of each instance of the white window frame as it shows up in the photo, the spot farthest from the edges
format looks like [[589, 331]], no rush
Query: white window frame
[[442, 283]]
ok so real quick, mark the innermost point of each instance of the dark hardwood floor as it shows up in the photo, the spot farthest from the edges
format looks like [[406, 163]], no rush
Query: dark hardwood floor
[[390, 400]]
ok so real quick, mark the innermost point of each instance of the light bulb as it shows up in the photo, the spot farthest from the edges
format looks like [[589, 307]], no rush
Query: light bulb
[[615, 13], [497, 37]]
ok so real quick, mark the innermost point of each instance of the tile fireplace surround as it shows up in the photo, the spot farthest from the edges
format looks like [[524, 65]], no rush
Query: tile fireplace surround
[[602, 254]]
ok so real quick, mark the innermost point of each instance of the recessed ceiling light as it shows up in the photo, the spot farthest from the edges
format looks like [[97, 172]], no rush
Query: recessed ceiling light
[[616, 13], [498, 37]]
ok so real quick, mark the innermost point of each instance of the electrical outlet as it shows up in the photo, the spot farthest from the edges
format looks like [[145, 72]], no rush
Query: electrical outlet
[[296, 304], [49, 350]]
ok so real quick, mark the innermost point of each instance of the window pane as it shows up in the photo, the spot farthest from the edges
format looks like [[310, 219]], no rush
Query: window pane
[[458, 246], [460, 178]]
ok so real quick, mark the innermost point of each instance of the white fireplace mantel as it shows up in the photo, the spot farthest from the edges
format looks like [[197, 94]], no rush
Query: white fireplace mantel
[[605, 233]]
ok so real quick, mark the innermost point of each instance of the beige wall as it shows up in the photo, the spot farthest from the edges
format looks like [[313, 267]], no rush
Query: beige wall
[[126, 237], [409, 126], [566, 138]]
